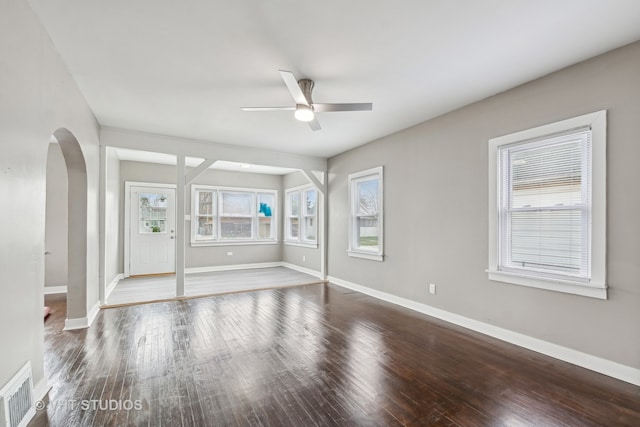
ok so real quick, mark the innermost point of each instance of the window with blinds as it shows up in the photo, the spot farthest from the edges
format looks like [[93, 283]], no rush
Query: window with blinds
[[548, 206], [545, 206]]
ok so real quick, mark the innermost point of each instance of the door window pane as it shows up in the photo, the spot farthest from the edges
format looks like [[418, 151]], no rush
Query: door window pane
[[152, 212]]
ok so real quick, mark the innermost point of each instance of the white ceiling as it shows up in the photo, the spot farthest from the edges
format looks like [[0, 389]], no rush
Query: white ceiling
[[184, 68]]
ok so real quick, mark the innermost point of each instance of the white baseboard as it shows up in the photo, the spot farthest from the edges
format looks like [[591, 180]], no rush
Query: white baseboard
[[76, 323], [83, 322], [588, 361], [304, 270], [41, 389], [193, 270], [48, 290], [112, 285], [308, 271], [91, 316]]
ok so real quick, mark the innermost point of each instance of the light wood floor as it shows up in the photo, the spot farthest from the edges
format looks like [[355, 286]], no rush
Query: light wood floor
[[154, 288], [316, 355]]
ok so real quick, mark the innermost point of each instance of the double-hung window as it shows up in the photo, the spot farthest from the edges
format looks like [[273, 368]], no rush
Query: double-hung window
[[204, 218], [229, 215], [301, 216], [548, 207], [365, 219]]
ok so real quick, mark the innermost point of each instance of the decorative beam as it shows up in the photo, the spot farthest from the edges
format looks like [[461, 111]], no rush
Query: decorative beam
[[206, 163], [316, 183]]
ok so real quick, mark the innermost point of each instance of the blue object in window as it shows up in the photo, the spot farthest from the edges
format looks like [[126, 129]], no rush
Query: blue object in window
[[265, 209]]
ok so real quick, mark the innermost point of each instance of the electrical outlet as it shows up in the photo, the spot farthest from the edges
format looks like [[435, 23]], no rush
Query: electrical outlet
[[432, 288], [304, 258], [229, 253]]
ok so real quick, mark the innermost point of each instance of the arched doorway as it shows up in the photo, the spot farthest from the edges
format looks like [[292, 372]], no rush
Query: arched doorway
[[76, 225]]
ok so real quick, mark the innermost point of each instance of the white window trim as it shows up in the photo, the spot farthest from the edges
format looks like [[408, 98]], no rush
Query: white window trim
[[353, 251], [301, 189], [597, 287], [217, 240]]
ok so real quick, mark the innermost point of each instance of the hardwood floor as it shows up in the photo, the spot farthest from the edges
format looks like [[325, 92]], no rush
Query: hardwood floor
[[163, 287], [316, 355]]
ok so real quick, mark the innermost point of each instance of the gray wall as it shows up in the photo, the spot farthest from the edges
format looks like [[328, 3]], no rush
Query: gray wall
[[294, 254], [55, 272], [436, 220], [113, 236], [38, 97], [208, 256]]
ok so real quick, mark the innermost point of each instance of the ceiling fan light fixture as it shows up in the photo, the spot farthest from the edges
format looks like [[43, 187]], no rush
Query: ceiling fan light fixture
[[304, 113]]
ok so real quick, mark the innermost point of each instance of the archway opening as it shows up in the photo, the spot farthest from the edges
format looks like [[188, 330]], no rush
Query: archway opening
[[71, 233]]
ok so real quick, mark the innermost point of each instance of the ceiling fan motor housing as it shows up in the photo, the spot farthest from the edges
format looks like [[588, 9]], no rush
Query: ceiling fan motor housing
[[306, 85]]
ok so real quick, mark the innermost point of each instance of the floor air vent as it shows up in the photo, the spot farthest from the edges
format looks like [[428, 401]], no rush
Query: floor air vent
[[17, 408]]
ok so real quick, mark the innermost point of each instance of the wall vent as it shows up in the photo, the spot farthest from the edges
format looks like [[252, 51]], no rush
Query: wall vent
[[16, 399]]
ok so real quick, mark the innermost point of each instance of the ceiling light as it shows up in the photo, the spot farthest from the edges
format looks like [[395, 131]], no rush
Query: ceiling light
[[304, 113], [245, 165]]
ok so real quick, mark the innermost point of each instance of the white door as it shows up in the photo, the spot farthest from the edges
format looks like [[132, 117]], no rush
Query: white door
[[152, 244]]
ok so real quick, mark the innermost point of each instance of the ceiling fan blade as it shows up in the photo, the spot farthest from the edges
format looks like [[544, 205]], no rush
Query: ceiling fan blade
[[314, 124], [326, 108], [268, 108], [294, 89]]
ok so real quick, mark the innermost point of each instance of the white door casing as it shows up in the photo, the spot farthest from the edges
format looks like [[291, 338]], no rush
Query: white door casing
[[151, 229]]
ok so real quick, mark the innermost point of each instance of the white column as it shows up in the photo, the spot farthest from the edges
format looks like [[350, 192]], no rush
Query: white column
[[180, 225]]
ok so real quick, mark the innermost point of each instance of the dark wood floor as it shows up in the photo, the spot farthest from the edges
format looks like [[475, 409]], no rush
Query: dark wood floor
[[316, 355]]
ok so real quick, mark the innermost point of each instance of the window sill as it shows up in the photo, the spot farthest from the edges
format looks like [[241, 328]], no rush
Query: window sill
[[364, 255], [302, 245], [557, 285], [233, 243]]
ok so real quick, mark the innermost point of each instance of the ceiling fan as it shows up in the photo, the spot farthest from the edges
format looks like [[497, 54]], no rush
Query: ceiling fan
[[305, 108]]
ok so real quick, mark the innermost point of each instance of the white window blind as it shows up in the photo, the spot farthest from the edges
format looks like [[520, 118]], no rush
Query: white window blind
[[545, 205], [236, 215]]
